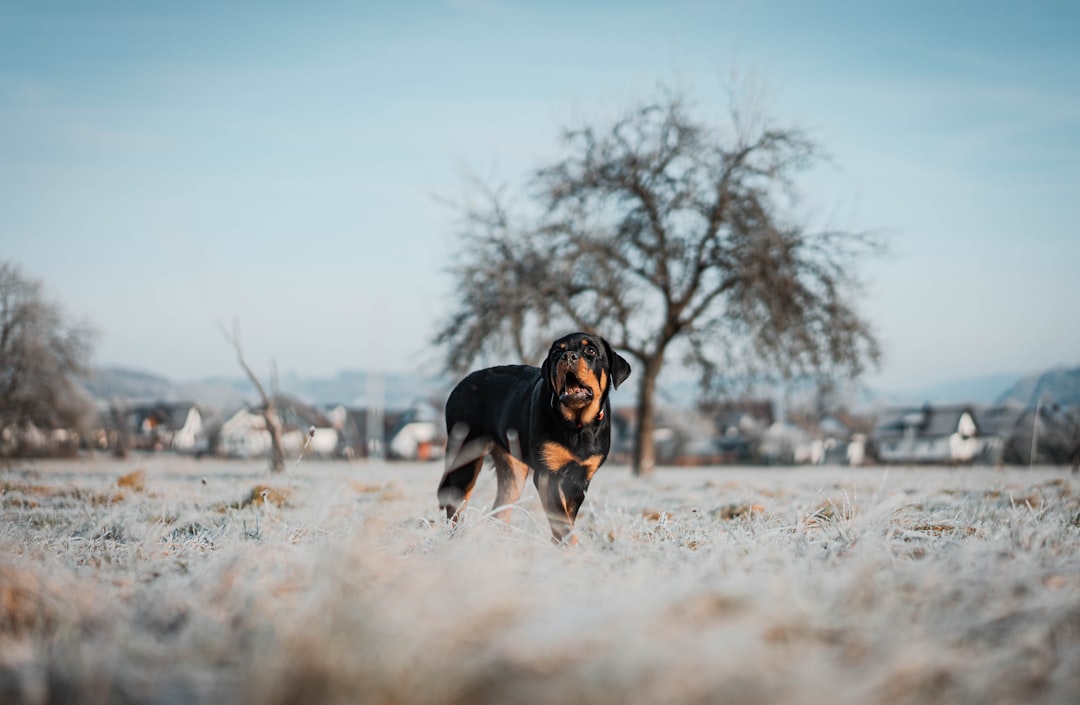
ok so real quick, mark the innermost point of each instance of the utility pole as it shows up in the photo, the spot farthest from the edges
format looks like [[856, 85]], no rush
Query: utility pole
[[376, 431]]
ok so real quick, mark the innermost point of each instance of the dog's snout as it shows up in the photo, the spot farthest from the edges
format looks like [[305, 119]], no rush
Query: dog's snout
[[571, 356]]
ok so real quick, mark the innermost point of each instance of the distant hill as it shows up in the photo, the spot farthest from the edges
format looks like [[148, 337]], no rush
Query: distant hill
[[106, 383], [115, 384], [1056, 386], [396, 390], [354, 388], [1059, 386], [986, 389]]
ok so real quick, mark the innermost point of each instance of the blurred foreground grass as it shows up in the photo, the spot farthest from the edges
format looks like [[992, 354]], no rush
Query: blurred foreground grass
[[165, 580]]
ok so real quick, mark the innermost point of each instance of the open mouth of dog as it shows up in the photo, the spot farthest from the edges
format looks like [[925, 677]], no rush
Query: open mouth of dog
[[573, 392]]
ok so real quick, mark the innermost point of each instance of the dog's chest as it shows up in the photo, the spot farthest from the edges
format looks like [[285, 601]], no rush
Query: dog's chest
[[580, 450]]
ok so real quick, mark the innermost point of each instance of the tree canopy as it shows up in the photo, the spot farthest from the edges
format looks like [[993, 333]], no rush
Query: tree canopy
[[664, 234], [41, 357]]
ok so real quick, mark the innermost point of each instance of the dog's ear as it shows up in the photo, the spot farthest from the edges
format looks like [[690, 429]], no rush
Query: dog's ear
[[620, 368]]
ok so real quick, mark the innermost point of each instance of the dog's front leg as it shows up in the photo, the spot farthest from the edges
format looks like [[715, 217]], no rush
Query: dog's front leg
[[562, 493]]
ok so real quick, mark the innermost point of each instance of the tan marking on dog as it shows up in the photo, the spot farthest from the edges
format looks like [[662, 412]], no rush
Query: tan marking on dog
[[510, 473], [586, 376], [556, 457], [592, 464], [585, 415]]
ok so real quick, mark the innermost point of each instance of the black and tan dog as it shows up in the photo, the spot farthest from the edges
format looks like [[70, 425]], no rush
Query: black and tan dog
[[553, 420]]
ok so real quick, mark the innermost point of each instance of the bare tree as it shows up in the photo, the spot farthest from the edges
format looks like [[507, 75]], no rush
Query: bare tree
[[269, 411], [669, 237], [42, 356]]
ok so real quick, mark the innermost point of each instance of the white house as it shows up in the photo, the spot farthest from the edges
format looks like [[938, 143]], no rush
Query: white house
[[244, 434], [167, 425], [929, 434], [420, 434], [186, 425]]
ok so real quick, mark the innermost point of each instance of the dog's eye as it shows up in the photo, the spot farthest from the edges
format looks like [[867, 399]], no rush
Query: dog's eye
[[590, 351]]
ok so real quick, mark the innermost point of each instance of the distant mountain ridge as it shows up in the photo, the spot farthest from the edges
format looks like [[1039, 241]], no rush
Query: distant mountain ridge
[[106, 383], [1060, 385], [356, 388], [110, 384], [985, 389]]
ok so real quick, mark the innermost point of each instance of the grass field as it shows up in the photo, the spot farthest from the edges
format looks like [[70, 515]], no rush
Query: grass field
[[167, 580]]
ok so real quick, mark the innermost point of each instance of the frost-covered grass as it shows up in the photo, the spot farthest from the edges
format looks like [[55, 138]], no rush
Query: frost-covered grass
[[339, 583]]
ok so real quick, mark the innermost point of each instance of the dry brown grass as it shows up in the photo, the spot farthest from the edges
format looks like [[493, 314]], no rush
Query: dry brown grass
[[341, 584], [134, 480]]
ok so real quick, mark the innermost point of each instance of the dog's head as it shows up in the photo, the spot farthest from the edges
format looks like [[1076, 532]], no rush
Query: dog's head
[[581, 368]]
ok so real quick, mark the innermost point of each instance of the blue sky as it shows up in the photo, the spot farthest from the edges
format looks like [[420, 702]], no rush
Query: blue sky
[[165, 167]]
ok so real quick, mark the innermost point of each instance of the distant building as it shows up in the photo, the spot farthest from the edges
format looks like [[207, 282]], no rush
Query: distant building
[[741, 428], [303, 429], [785, 443], [29, 441], [419, 435], [1026, 435], [929, 434], [362, 431], [176, 426], [1003, 440], [623, 419]]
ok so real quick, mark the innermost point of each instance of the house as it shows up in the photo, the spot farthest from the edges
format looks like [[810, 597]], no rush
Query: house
[[834, 435], [741, 427], [929, 434], [176, 426], [303, 430], [623, 420], [684, 437], [833, 438], [1003, 438], [30, 441], [674, 442], [362, 432], [1025, 435], [242, 434], [419, 435], [784, 443]]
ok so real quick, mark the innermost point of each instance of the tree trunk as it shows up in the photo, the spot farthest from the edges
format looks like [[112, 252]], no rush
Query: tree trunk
[[644, 459], [118, 412], [277, 455]]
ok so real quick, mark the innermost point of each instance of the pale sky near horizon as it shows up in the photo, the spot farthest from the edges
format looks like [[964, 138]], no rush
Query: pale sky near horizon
[[165, 167]]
